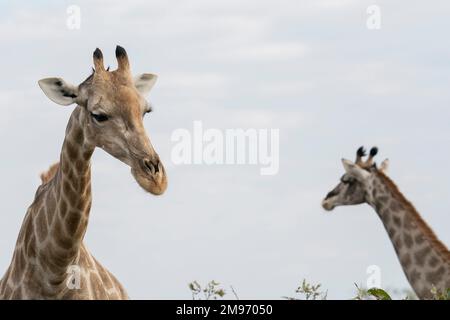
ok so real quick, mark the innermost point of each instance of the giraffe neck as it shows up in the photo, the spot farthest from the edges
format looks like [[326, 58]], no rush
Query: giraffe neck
[[424, 259], [61, 222]]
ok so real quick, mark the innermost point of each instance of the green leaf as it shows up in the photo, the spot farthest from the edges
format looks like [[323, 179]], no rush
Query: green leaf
[[378, 293]]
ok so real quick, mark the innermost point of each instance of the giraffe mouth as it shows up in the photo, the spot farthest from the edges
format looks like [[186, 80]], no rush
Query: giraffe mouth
[[151, 176], [327, 205]]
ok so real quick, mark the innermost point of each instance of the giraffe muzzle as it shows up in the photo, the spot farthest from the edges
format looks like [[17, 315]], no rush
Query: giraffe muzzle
[[327, 205], [151, 175]]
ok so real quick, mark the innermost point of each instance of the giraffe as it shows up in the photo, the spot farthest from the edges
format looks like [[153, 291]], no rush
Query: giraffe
[[424, 258], [50, 259]]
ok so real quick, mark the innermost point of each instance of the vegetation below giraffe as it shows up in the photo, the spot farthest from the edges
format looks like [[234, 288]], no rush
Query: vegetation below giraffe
[[213, 290]]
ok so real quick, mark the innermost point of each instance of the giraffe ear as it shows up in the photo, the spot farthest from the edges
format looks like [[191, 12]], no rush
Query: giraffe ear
[[384, 166], [354, 170], [59, 91], [145, 82]]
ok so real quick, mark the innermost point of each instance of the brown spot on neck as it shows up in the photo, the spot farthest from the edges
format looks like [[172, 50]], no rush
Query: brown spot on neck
[[414, 216]]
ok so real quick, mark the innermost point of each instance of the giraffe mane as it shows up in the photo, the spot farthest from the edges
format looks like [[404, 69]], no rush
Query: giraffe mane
[[48, 175], [421, 223]]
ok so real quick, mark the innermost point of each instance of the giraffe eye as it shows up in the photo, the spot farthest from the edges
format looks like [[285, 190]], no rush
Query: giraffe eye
[[99, 117], [147, 111]]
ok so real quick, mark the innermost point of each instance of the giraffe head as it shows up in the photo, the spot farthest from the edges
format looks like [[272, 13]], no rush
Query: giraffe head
[[112, 111], [356, 183]]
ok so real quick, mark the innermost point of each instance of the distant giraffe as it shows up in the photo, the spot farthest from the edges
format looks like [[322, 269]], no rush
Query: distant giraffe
[[109, 113], [425, 260]]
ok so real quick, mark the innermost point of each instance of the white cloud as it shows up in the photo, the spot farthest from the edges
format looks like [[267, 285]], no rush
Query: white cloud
[[332, 4], [259, 118], [193, 81], [27, 25], [268, 52]]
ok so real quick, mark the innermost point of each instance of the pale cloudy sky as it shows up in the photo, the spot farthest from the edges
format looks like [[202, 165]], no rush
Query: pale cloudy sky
[[310, 68]]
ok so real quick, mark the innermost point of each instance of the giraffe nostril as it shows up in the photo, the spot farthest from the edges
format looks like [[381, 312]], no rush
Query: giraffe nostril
[[152, 166]]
